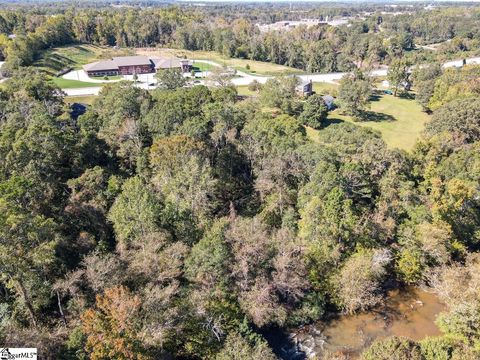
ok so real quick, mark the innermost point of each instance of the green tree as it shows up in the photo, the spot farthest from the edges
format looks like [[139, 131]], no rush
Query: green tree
[[314, 112], [461, 117], [135, 212], [393, 348], [237, 348], [354, 94], [171, 79], [27, 248], [398, 75]]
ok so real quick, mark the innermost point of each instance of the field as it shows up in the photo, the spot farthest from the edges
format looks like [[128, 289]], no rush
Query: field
[[256, 67], [75, 56], [73, 84], [399, 120]]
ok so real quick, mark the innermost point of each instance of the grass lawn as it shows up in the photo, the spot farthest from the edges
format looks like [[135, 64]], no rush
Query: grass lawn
[[244, 91], [89, 99], [324, 88], [75, 56], [399, 120], [201, 66], [73, 84], [256, 67]]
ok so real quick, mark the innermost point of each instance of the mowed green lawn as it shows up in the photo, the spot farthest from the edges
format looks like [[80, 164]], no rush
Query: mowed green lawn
[[324, 88], [73, 84], [201, 66], [399, 120]]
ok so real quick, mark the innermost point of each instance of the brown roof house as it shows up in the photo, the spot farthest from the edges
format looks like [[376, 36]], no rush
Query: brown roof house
[[129, 65]]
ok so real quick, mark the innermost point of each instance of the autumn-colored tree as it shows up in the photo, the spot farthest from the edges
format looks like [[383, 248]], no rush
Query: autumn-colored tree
[[112, 326]]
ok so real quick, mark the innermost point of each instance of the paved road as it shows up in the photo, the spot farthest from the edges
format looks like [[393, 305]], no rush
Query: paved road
[[246, 78]]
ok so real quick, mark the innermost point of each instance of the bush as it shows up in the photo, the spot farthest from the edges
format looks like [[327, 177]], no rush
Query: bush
[[393, 348], [437, 348]]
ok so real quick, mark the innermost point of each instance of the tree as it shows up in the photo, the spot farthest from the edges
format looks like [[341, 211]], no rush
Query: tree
[[461, 117], [237, 348], [175, 111], [266, 268], [424, 92], [255, 86], [354, 94], [120, 109], [113, 327], [438, 348], [281, 93], [220, 76], [171, 79], [27, 249], [135, 212], [314, 112], [182, 173], [398, 75], [393, 348], [359, 279]]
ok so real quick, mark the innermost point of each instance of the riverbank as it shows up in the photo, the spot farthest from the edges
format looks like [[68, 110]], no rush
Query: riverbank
[[409, 312]]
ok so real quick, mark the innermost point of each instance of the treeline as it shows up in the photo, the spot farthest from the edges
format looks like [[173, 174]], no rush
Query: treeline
[[184, 222], [376, 39]]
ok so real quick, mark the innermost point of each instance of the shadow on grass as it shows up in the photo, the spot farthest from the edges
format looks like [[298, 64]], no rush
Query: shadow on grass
[[407, 95], [332, 121], [375, 116]]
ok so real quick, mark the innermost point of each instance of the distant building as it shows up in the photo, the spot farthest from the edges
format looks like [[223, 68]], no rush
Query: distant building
[[292, 24], [129, 65], [305, 88]]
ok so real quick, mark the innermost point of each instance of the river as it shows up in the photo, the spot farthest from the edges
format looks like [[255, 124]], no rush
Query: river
[[410, 312]]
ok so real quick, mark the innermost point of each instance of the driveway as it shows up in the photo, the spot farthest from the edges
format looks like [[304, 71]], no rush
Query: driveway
[[82, 91], [459, 63], [81, 75]]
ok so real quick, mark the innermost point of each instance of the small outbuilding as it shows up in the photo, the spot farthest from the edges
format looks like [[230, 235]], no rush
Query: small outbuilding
[[305, 88], [329, 101]]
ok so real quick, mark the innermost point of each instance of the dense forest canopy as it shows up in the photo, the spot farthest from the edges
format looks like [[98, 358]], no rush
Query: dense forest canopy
[[187, 222]]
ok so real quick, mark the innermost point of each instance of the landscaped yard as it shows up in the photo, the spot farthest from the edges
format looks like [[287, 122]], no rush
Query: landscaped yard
[[399, 120], [73, 84], [256, 67]]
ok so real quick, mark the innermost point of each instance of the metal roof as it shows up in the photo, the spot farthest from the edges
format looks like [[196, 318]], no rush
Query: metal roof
[[116, 62], [101, 66], [132, 60]]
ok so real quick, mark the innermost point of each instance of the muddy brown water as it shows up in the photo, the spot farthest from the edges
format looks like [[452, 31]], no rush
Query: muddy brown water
[[410, 312]]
